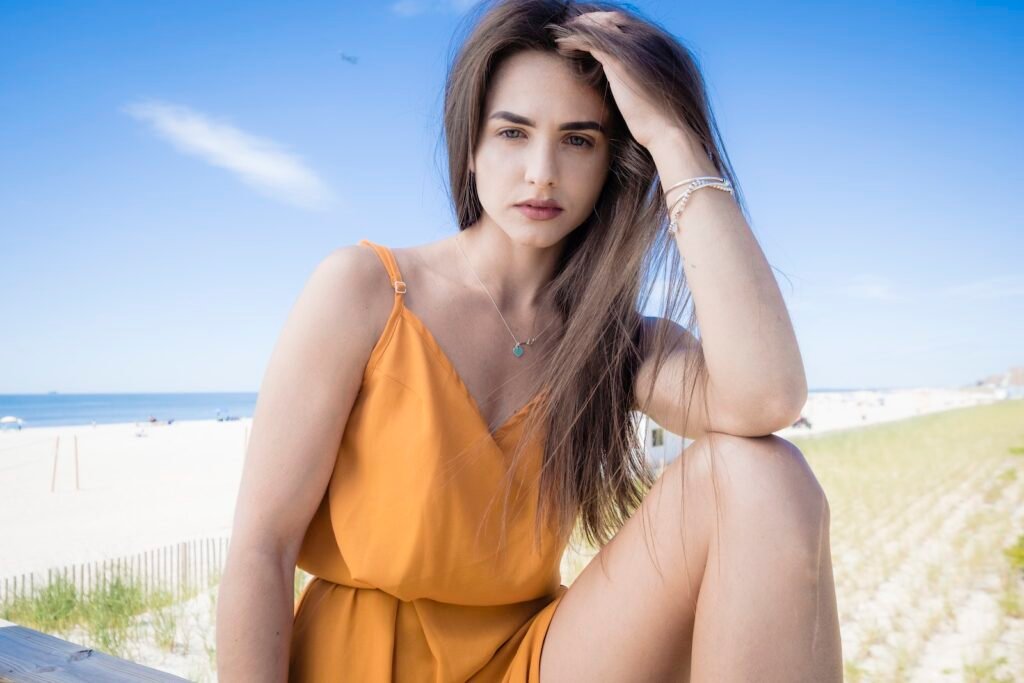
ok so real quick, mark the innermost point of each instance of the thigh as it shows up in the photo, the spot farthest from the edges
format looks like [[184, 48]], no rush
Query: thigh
[[630, 614]]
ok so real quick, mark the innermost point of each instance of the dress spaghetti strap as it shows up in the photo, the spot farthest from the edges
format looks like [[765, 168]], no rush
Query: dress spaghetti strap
[[390, 265]]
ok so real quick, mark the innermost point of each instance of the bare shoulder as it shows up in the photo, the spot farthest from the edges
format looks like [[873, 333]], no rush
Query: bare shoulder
[[311, 381], [352, 291]]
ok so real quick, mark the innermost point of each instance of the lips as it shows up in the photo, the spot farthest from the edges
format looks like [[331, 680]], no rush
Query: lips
[[540, 203], [538, 213]]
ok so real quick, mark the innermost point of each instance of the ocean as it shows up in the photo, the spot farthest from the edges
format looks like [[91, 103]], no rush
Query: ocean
[[58, 410]]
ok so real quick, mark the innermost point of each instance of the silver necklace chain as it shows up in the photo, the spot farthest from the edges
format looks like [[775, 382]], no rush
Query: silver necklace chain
[[518, 349]]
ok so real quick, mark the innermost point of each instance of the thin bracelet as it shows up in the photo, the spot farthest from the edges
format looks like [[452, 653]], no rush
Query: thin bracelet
[[673, 225], [698, 183], [721, 184], [690, 180], [695, 184]]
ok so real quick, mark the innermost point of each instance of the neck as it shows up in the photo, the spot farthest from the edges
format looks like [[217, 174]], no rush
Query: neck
[[513, 273]]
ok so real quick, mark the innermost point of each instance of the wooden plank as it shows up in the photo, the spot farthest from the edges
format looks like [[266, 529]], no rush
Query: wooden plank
[[30, 656]]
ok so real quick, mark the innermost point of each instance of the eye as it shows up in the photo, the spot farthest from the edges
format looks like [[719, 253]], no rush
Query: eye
[[586, 142]]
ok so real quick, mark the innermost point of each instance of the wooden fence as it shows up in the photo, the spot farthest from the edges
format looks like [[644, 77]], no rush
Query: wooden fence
[[178, 568]]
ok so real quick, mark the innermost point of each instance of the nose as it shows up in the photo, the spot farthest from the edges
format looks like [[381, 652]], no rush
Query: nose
[[541, 166]]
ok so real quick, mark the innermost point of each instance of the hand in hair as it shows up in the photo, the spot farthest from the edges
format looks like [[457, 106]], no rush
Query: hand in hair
[[646, 122]]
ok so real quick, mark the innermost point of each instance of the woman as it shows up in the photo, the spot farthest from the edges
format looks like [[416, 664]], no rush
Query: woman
[[437, 420]]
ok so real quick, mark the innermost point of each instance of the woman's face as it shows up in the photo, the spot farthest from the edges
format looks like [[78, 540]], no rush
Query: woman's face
[[527, 151]]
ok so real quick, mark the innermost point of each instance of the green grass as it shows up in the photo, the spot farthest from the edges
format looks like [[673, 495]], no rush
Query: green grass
[[301, 579], [872, 472], [987, 671], [109, 615], [106, 614], [166, 615], [886, 485], [1015, 554]]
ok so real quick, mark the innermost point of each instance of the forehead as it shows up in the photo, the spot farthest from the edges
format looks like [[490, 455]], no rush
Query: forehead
[[541, 85]]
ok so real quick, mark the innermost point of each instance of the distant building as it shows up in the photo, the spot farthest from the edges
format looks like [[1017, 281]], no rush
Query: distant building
[[1009, 384], [1015, 383], [661, 445]]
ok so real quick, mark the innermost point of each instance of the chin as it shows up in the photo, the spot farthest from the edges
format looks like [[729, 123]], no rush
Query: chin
[[539, 236]]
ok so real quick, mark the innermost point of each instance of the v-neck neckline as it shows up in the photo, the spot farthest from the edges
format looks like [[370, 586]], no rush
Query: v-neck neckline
[[431, 341], [401, 311]]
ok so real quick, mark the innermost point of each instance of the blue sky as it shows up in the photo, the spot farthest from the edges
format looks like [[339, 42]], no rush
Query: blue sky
[[171, 173]]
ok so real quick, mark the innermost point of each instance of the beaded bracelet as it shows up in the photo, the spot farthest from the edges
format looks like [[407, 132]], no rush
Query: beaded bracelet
[[694, 184]]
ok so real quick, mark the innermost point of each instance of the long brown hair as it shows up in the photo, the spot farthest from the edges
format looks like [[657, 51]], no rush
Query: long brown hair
[[594, 468]]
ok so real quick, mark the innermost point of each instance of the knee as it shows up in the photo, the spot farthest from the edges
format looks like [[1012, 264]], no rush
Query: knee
[[764, 482]]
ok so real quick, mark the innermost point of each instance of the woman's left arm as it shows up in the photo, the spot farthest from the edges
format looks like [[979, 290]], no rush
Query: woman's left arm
[[755, 380], [753, 360]]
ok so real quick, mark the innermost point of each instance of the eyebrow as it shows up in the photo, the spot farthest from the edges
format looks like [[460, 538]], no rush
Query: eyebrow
[[571, 125]]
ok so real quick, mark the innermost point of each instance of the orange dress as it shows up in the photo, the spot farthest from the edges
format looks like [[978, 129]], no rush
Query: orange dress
[[407, 581]]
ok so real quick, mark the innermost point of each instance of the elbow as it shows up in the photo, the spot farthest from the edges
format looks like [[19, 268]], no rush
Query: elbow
[[789, 412], [787, 408], [755, 423], [243, 557], [796, 400], [767, 415], [786, 404], [764, 412]]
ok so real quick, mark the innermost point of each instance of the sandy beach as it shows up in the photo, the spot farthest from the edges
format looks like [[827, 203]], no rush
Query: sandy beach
[[179, 481], [141, 486], [828, 411]]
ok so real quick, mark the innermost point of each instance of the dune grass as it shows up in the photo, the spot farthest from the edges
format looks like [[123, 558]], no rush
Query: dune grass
[[106, 614], [120, 617], [922, 510]]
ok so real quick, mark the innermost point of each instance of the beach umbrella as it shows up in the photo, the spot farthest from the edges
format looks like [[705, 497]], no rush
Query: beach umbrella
[[11, 420]]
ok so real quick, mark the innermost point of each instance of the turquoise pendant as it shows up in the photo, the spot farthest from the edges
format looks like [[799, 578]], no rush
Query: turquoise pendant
[[518, 350]]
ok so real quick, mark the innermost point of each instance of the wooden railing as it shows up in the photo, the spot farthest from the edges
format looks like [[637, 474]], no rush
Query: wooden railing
[[29, 656]]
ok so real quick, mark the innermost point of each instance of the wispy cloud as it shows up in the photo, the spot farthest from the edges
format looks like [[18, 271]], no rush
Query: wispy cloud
[[997, 287], [260, 163]]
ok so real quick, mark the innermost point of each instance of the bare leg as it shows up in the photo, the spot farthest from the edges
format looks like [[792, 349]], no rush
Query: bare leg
[[767, 606], [751, 599]]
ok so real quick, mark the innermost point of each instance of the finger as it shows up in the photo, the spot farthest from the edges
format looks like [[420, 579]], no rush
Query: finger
[[574, 43], [582, 47], [604, 19], [571, 44]]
